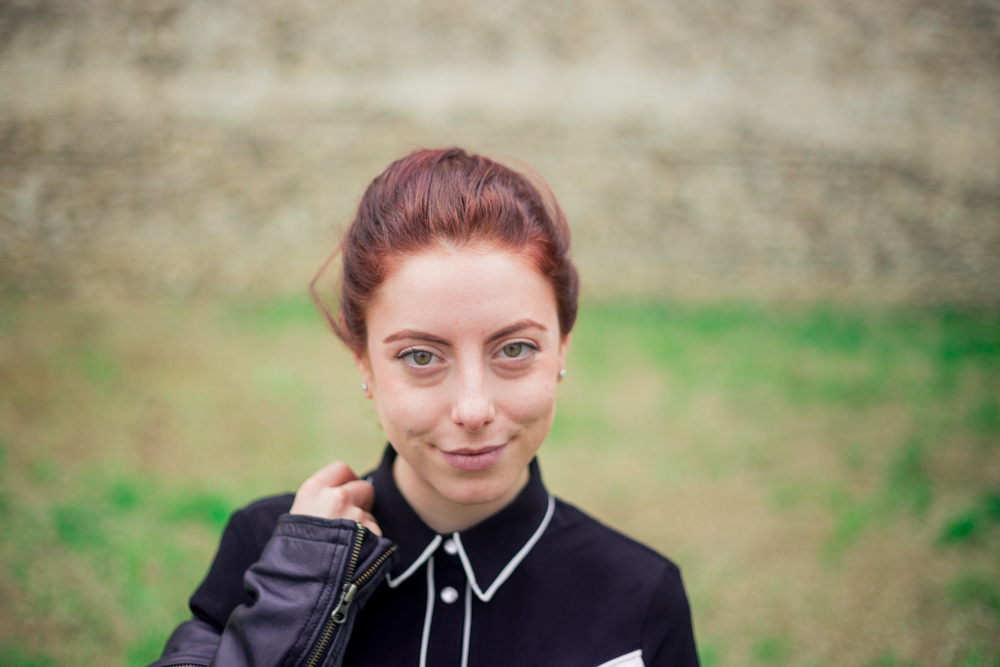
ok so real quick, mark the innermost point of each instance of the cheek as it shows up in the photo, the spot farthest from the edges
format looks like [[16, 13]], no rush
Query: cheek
[[529, 402], [408, 412]]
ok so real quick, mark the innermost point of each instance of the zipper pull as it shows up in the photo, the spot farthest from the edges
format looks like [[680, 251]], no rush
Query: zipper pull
[[339, 614]]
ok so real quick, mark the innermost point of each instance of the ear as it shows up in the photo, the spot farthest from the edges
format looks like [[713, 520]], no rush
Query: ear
[[563, 350], [364, 367]]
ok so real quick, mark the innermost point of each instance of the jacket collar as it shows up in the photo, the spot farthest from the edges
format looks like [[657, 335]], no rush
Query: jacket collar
[[490, 550]]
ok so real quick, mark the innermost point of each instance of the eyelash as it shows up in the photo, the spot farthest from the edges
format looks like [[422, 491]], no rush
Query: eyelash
[[410, 351], [526, 344]]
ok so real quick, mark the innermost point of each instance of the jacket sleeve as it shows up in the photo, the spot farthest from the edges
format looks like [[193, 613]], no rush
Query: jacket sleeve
[[668, 634], [294, 587]]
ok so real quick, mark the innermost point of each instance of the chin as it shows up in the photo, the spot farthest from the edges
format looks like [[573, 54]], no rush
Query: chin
[[475, 491]]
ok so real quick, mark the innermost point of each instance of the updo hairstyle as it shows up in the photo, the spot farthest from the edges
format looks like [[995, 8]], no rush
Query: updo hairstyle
[[451, 199]]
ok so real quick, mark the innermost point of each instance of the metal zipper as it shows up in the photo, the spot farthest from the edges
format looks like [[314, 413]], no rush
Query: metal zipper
[[339, 613]]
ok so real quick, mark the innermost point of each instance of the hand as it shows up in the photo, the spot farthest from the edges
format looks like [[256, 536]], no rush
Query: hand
[[335, 492]]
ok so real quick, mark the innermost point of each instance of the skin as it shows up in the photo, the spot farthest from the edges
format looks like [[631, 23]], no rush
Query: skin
[[462, 362]]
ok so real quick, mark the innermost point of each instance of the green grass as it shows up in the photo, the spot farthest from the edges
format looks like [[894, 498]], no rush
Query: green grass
[[975, 523], [890, 659], [771, 650], [828, 478]]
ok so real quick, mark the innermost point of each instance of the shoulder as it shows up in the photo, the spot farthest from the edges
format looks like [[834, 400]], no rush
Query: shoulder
[[608, 563], [590, 539], [250, 527], [241, 544], [258, 519], [648, 579], [637, 585]]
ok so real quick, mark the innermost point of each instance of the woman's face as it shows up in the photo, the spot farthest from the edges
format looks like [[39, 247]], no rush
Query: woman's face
[[464, 354]]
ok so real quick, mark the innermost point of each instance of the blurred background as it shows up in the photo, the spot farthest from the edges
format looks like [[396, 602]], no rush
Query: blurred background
[[787, 369]]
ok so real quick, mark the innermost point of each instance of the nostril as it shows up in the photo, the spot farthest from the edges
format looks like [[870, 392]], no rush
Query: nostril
[[472, 408], [474, 414]]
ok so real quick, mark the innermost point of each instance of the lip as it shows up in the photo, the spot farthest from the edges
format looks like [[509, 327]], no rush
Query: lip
[[472, 459]]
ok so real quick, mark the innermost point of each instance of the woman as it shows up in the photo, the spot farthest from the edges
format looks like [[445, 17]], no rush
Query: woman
[[458, 298]]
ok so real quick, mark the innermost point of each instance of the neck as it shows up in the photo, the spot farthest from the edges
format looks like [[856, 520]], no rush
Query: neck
[[442, 514]]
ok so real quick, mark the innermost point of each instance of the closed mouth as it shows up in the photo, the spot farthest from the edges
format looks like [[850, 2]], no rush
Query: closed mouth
[[474, 458], [474, 451]]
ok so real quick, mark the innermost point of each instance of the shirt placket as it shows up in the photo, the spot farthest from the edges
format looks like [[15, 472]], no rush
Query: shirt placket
[[448, 618]]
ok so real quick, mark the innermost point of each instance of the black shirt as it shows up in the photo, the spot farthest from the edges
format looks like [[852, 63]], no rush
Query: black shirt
[[538, 583]]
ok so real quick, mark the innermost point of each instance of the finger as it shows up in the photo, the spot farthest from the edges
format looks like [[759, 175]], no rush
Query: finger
[[372, 525], [360, 493], [332, 474], [364, 518]]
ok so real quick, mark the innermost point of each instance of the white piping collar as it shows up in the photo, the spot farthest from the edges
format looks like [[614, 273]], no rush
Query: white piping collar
[[511, 566], [431, 548], [470, 574]]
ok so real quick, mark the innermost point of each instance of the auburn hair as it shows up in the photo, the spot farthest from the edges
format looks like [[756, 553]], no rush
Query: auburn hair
[[449, 198]]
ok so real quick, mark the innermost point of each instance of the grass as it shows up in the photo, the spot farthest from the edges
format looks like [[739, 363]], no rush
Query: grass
[[828, 478]]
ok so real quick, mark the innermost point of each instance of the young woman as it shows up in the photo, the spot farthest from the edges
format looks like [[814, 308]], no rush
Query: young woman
[[457, 300]]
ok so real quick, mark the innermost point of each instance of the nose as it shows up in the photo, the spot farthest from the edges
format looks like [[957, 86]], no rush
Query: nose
[[473, 407]]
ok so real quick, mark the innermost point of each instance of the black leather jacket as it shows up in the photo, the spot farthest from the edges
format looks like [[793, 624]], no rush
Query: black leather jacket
[[327, 568]]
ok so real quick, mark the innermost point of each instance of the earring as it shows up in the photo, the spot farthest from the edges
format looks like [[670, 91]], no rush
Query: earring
[[364, 387], [562, 374]]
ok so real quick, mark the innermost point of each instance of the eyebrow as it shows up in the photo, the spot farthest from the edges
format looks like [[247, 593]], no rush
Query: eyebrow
[[416, 334], [520, 325]]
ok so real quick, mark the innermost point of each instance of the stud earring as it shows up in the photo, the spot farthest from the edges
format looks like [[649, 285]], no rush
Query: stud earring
[[364, 387], [562, 373]]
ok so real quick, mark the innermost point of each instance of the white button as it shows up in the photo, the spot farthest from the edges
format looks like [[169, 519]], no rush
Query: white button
[[450, 547], [448, 595]]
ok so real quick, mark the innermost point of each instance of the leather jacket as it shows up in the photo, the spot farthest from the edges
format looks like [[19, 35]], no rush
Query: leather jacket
[[329, 567]]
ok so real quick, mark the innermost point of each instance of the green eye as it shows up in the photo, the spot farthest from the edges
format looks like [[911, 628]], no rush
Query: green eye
[[421, 357], [513, 350]]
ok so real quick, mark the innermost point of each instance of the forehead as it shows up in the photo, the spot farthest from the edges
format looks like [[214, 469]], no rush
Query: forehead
[[470, 290]]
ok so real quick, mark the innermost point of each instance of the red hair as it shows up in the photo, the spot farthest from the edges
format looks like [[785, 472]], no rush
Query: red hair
[[447, 197]]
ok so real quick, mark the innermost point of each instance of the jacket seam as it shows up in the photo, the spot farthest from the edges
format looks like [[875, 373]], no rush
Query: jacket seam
[[184, 659], [305, 539], [294, 533]]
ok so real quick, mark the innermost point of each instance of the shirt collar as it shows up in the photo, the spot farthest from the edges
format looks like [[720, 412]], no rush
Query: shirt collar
[[490, 550]]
